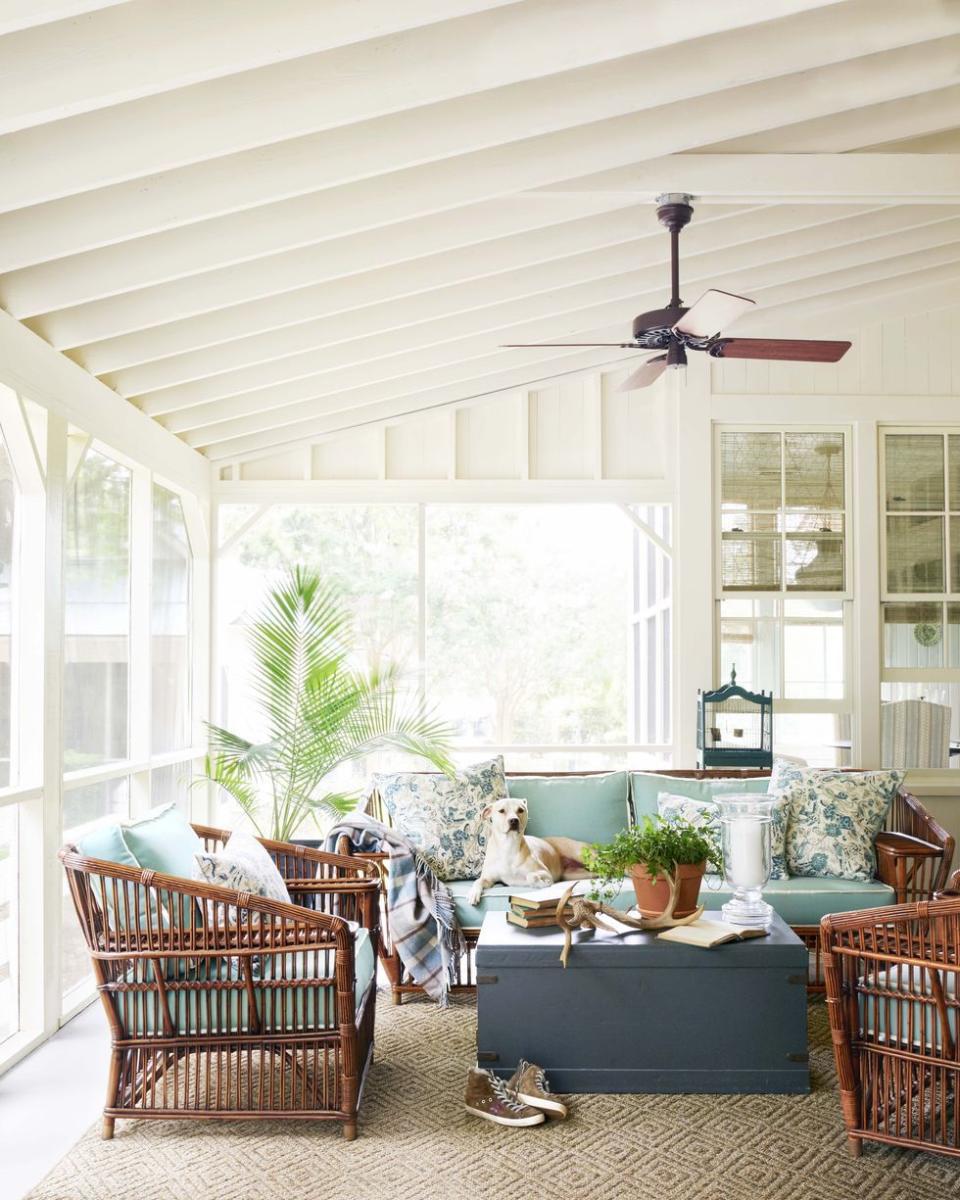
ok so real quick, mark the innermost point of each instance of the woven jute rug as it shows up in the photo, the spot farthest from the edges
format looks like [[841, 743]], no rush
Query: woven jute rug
[[416, 1140]]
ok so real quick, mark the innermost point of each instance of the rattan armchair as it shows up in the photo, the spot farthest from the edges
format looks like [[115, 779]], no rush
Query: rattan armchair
[[224, 1005], [893, 993]]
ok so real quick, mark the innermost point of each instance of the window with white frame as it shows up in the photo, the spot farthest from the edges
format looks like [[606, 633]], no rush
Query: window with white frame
[[920, 585], [783, 573], [9, 815], [520, 620]]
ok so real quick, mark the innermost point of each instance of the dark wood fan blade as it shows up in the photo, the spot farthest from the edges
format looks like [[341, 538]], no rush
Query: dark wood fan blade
[[781, 349], [649, 373], [537, 345]]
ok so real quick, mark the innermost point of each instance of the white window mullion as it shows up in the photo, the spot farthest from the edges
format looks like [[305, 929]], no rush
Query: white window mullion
[[139, 689]]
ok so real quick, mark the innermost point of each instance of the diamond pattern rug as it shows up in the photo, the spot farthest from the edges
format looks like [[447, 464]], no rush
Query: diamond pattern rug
[[415, 1139]]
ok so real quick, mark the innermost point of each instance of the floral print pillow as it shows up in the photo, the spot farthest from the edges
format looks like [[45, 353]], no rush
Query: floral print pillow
[[442, 816], [707, 811], [833, 818], [243, 865]]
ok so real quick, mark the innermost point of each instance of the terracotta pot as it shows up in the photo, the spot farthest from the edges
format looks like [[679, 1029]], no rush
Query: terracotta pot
[[653, 894]]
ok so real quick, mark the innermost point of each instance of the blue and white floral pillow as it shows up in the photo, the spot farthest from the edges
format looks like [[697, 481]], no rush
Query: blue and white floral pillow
[[833, 818], [442, 816], [707, 812], [243, 865]]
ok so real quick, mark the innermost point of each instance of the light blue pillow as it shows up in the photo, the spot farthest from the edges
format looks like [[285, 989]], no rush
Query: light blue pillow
[[165, 841], [107, 844], [587, 808]]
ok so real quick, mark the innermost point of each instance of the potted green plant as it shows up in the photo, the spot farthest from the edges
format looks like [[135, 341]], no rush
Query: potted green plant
[[320, 711], [651, 852]]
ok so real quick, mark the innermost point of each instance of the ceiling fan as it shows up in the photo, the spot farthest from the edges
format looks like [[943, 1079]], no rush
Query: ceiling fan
[[676, 329]]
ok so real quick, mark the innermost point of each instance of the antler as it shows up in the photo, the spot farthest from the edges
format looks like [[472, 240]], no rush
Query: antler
[[581, 913], [667, 920]]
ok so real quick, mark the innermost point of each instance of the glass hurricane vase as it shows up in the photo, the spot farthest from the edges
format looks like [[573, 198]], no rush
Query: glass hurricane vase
[[745, 841]]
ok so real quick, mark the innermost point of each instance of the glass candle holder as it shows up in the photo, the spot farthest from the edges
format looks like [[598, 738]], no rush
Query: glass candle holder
[[745, 841]]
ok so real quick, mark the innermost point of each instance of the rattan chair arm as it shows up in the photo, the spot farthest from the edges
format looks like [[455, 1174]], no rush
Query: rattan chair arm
[[295, 851]]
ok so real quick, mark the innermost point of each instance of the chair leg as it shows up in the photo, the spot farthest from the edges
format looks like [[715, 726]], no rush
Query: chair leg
[[854, 1145], [108, 1127], [350, 1130], [113, 1083]]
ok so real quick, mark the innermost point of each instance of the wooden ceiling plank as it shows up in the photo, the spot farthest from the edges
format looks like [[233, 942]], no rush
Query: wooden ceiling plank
[[117, 54], [436, 187], [348, 84], [231, 183]]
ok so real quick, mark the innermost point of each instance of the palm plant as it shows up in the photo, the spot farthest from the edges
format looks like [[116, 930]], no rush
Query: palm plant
[[321, 712]]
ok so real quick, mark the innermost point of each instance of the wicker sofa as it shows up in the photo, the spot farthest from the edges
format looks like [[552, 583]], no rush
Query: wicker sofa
[[893, 993], [226, 1005], [913, 857]]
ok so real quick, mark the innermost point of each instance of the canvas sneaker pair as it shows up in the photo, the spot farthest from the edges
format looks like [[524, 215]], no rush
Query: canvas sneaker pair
[[524, 1099]]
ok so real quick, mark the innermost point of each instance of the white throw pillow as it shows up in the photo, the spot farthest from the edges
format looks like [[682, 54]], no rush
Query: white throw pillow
[[244, 866]]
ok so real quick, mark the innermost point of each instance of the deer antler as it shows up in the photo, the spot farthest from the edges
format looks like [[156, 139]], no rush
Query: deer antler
[[581, 913]]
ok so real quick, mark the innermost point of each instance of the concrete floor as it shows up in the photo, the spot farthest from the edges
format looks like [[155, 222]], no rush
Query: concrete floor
[[50, 1099]]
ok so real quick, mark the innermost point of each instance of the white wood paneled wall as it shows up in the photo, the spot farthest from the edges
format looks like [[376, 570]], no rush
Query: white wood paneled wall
[[580, 428]]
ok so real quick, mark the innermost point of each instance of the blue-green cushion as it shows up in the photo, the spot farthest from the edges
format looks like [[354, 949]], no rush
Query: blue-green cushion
[[803, 901], [209, 1011], [588, 808], [646, 786], [107, 844], [800, 901], [912, 1023], [165, 841]]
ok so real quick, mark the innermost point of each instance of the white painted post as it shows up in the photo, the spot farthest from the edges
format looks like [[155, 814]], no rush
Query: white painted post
[[691, 466], [865, 532]]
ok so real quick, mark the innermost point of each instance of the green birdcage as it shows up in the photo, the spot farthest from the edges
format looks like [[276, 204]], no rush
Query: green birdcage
[[735, 727]]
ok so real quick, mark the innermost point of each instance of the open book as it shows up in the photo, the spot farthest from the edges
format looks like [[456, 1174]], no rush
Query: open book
[[708, 934]]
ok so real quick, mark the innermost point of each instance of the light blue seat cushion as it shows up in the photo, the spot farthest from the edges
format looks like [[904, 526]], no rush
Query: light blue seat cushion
[[911, 1022], [803, 901], [199, 1010], [646, 786], [799, 901], [587, 808]]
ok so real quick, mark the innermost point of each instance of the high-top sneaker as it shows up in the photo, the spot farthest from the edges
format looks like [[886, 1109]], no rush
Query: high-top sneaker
[[490, 1098], [529, 1082]]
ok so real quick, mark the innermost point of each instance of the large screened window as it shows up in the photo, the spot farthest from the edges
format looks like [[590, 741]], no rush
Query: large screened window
[[782, 582], [9, 531], [519, 621], [920, 617], [97, 620]]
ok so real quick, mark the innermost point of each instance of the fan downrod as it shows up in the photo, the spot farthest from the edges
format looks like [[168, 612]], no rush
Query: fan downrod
[[652, 329]]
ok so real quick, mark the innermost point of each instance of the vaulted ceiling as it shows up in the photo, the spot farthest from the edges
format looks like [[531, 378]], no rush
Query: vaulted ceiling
[[263, 223]]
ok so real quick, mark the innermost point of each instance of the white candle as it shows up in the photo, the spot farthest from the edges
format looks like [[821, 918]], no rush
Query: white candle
[[745, 847]]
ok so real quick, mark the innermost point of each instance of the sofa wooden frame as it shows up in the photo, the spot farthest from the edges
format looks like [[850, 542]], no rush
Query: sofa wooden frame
[[268, 1064], [914, 853], [893, 995]]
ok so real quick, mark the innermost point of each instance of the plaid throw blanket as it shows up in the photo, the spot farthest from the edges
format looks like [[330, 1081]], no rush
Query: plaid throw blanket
[[421, 924]]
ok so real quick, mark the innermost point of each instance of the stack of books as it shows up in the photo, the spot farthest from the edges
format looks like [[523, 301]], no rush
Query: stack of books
[[537, 908]]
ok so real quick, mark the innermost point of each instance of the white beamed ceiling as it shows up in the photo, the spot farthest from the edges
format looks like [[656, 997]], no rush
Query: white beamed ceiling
[[263, 223]]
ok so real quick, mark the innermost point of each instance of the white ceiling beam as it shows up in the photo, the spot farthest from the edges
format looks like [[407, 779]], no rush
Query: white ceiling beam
[[348, 84], [117, 54], [463, 279], [788, 178], [435, 315], [436, 187], [25, 14], [403, 244], [552, 315], [859, 129], [34, 370], [233, 183], [941, 284]]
